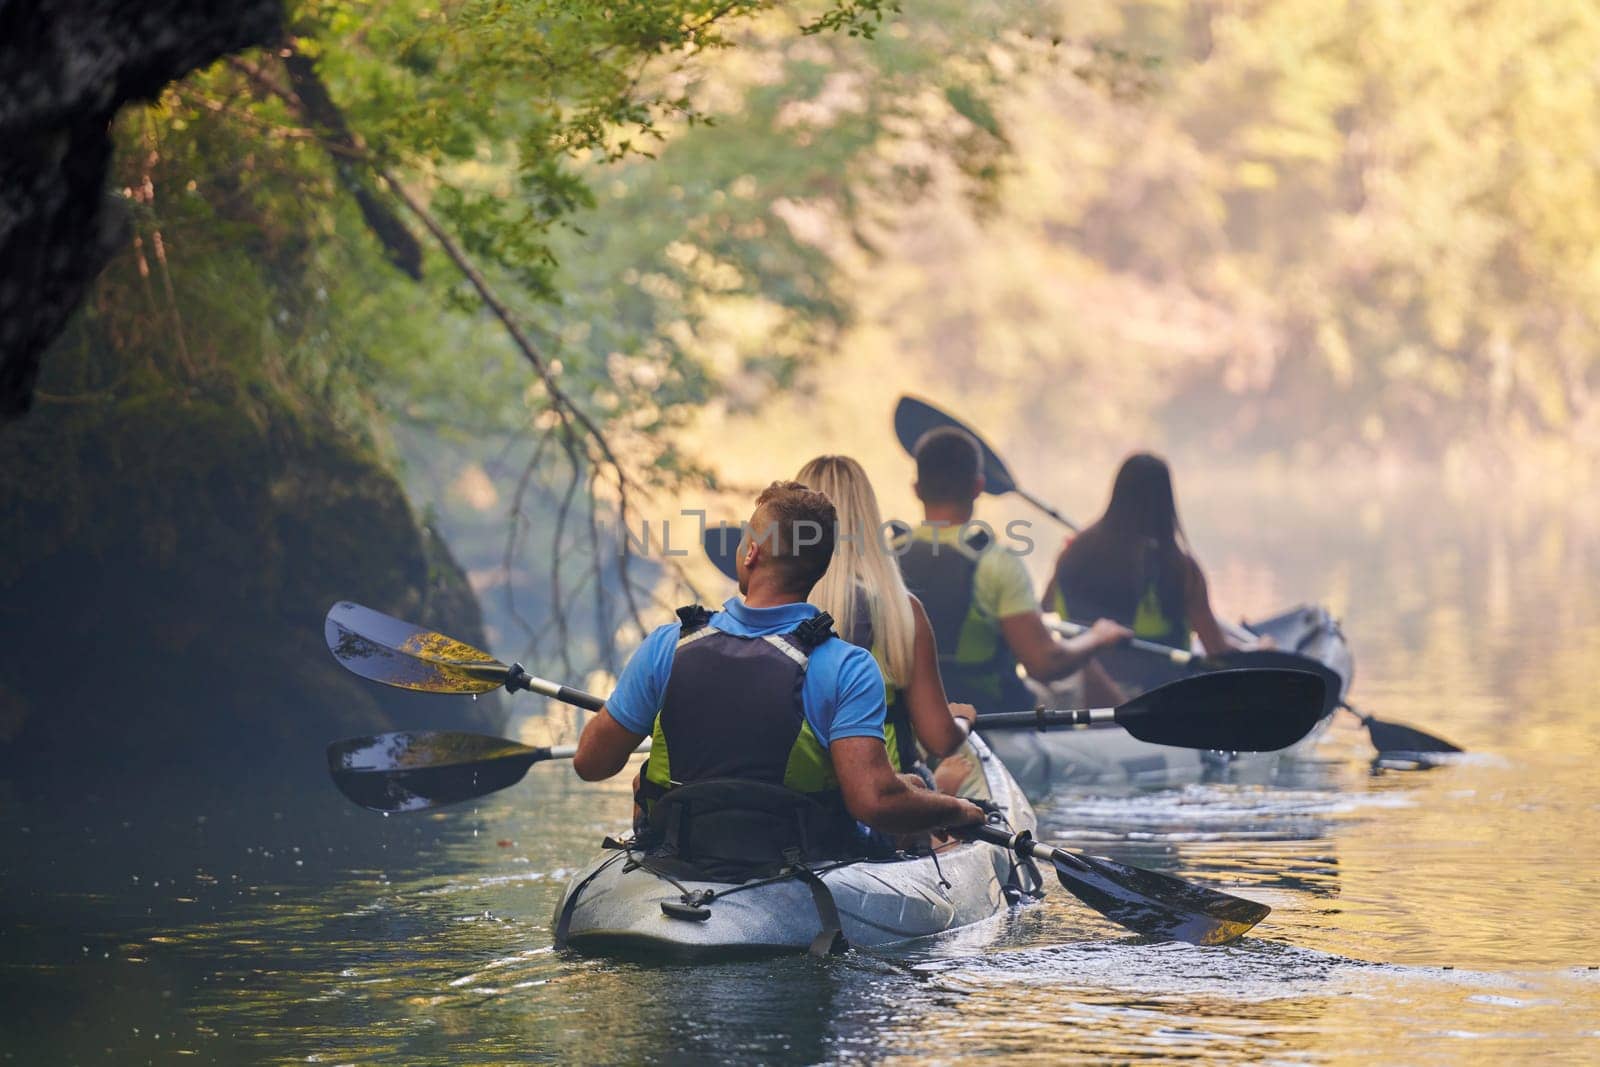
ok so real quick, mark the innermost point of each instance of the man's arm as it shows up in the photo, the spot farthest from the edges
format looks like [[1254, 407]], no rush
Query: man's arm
[[610, 737], [872, 791], [877, 796], [1005, 591], [604, 747], [1203, 619], [1047, 657]]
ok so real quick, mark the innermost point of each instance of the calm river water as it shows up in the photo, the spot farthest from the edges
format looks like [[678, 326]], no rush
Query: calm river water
[[1443, 916]]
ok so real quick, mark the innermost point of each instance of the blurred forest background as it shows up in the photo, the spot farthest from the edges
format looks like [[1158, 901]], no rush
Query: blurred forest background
[[560, 265]]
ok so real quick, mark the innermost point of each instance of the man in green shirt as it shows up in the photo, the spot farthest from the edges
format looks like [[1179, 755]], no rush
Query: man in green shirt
[[986, 618]]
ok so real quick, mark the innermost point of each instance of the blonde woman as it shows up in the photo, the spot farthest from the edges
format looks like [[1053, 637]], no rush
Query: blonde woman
[[867, 597]]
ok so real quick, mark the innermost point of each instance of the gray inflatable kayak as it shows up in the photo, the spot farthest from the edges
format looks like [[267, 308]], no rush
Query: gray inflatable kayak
[[1110, 758], [614, 907]]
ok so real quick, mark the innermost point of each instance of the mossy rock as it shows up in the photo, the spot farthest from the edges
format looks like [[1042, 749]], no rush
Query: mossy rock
[[166, 568]]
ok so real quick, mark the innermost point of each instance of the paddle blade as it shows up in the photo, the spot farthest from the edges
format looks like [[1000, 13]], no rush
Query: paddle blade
[[414, 771], [722, 547], [384, 649], [1157, 905], [1234, 711], [1394, 737], [913, 418]]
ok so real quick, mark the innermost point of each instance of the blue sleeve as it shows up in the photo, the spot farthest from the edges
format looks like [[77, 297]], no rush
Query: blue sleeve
[[637, 697], [854, 707]]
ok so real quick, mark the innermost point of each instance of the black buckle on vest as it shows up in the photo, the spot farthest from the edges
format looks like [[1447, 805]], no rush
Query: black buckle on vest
[[813, 631], [691, 618]]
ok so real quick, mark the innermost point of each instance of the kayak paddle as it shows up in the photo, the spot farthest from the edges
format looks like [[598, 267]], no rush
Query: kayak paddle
[[414, 770], [1237, 711], [1255, 658], [913, 418], [1249, 710], [1392, 737], [1385, 736], [384, 649], [421, 769], [1156, 905]]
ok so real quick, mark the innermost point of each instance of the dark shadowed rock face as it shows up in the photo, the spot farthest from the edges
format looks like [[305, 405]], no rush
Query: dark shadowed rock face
[[165, 566], [66, 66]]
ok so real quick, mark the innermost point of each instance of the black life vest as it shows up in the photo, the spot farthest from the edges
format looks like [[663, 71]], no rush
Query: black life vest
[[897, 730], [974, 659], [1151, 601], [1154, 604], [733, 715]]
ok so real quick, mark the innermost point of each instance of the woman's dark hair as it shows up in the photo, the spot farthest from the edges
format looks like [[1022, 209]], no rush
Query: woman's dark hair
[[1142, 505], [1139, 539]]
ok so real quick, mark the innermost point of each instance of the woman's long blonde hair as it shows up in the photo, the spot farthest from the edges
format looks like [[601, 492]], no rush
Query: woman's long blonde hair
[[862, 566]]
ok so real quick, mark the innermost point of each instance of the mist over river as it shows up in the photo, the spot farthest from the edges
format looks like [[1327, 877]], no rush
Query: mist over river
[[1439, 916]]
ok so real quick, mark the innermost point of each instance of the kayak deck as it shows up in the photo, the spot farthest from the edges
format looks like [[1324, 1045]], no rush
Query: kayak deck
[[615, 907]]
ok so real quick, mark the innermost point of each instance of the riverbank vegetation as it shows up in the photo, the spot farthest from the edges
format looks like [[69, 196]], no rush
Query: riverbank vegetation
[[548, 260]]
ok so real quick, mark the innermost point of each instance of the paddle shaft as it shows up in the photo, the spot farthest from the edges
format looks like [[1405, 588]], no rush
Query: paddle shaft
[[1023, 844], [552, 752], [1048, 718], [1047, 509], [1182, 657], [517, 678]]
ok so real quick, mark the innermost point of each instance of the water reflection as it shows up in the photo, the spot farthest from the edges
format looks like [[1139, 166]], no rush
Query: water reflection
[[1417, 917]]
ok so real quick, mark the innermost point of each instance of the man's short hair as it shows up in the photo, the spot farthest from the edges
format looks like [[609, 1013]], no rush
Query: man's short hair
[[797, 526], [949, 462]]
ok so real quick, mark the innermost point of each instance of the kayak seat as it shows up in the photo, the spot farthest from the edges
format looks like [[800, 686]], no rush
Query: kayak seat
[[734, 829]]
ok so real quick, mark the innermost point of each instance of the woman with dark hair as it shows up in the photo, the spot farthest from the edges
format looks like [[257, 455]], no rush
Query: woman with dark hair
[[1134, 565]]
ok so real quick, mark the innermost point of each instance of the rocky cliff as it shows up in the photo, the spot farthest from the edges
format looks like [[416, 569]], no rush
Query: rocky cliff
[[166, 567]]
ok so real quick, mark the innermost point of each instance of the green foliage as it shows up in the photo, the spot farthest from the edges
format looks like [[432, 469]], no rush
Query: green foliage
[[858, 18], [651, 204], [504, 119]]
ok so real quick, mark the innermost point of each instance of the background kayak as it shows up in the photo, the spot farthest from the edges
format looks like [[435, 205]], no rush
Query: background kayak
[[1110, 757]]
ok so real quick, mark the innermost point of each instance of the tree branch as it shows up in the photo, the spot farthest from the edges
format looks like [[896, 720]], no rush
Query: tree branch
[[316, 104]]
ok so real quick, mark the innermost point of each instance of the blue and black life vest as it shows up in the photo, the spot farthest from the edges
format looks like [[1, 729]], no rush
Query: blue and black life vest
[[731, 739]]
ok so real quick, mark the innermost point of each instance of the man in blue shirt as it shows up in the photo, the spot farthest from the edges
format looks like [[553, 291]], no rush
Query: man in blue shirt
[[759, 691]]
